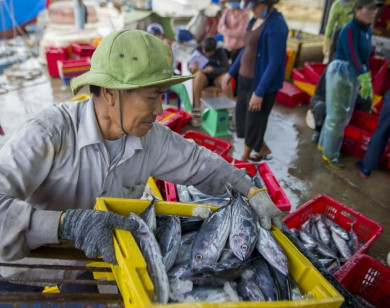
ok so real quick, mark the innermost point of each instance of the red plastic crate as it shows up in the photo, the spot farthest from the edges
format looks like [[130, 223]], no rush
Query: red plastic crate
[[366, 229], [364, 276], [185, 116], [216, 145], [299, 74], [363, 120], [53, 54], [355, 141], [172, 120], [274, 189], [290, 95], [314, 70], [82, 50]]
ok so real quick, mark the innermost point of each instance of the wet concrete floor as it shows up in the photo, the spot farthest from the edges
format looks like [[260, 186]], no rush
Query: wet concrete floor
[[296, 162]]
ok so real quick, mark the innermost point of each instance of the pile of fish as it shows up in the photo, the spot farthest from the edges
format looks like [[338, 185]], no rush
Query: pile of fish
[[332, 244], [226, 257]]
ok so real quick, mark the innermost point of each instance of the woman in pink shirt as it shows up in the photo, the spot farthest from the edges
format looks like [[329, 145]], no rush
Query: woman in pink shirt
[[232, 26]]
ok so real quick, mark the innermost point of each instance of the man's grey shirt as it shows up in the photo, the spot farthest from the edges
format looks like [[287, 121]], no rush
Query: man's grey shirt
[[58, 161]]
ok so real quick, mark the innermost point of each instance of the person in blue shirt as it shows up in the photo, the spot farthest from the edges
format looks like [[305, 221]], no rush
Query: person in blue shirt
[[378, 141], [349, 70], [260, 67]]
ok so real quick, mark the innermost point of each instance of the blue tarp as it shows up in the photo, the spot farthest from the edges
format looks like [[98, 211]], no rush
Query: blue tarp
[[21, 10]]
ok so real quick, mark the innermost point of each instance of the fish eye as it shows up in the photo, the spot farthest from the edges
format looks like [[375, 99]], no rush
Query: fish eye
[[244, 247], [198, 257]]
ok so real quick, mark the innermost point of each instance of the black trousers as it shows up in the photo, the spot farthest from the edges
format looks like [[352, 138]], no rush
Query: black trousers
[[252, 125]]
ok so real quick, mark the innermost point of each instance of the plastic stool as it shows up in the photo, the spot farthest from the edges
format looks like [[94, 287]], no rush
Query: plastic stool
[[216, 122], [166, 98], [216, 117]]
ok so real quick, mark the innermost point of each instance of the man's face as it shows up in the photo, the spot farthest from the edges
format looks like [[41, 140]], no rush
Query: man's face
[[140, 108], [209, 53]]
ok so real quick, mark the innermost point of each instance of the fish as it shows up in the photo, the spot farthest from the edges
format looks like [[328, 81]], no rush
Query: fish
[[249, 290], [335, 227], [149, 215], [265, 280], [151, 252], [205, 294], [296, 293], [257, 179], [168, 236], [270, 249], [353, 241], [323, 230], [188, 223], [186, 241], [243, 233], [211, 238], [283, 283], [183, 194], [341, 244], [196, 194], [320, 247], [217, 274]]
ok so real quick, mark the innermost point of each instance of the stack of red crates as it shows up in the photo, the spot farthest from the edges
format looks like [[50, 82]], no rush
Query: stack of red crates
[[358, 133], [69, 61]]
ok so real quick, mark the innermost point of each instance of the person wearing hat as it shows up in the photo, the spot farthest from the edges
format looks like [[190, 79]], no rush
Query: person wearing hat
[[339, 16], [260, 67], [349, 70], [57, 164]]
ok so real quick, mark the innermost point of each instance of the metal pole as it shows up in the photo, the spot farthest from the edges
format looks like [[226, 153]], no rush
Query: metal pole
[[79, 14]]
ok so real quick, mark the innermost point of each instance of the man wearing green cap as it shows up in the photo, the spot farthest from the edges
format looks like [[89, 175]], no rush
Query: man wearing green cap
[[53, 169]]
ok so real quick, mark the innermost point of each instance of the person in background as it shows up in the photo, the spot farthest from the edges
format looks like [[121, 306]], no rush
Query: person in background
[[260, 67], [339, 16], [210, 75], [181, 91], [58, 163], [343, 77], [232, 26], [378, 142]]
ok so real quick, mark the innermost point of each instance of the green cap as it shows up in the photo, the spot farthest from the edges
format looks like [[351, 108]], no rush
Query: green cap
[[130, 59]]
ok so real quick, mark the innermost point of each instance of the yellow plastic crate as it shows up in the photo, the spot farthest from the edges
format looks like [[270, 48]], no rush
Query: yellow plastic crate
[[305, 86], [137, 289]]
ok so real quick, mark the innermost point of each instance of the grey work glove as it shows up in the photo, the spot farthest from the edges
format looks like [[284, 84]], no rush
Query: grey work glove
[[91, 231], [265, 209]]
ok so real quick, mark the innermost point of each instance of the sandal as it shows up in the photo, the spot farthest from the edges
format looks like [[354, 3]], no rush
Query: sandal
[[256, 157]]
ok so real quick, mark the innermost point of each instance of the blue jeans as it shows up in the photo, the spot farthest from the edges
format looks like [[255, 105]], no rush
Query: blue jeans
[[379, 138]]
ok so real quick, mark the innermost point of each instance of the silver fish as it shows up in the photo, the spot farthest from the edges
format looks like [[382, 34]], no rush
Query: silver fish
[[183, 194], [321, 247], [296, 293], [335, 227], [211, 238], [322, 228], [206, 294], [270, 249], [341, 244], [153, 258], [243, 233], [196, 194], [250, 290], [184, 253], [257, 179], [353, 242], [265, 280], [284, 286], [149, 215], [168, 236]]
